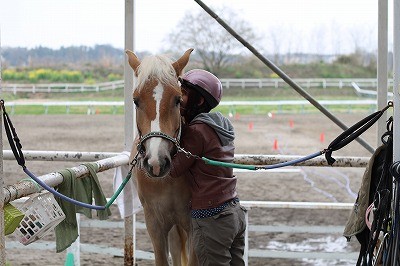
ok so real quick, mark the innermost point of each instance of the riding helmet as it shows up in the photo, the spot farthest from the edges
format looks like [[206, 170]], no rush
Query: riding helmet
[[208, 85]]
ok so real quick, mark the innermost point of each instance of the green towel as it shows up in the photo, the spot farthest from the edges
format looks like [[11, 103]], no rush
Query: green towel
[[81, 189]]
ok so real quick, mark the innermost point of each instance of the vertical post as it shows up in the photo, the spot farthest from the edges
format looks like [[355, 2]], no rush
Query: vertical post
[[2, 236], [382, 71], [129, 222], [246, 240], [396, 124]]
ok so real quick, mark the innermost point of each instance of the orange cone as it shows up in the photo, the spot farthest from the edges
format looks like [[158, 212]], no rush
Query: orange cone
[[322, 137], [291, 123], [275, 148], [251, 125]]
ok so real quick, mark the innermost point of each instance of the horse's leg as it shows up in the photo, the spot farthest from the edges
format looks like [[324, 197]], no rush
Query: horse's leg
[[159, 239], [177, 239]]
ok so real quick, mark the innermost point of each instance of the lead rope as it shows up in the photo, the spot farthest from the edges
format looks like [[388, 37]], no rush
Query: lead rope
[[342, 140], [16, 148]]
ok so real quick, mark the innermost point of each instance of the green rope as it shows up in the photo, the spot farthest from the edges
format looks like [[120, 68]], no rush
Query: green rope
[[229, 165], [121, 187]]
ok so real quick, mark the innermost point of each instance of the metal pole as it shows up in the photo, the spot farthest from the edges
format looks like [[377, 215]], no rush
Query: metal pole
[[2, 241], [130, 221], [396, 124], [382, 70], [282, 75]]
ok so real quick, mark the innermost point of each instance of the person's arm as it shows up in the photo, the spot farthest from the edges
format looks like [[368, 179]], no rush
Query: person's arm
[[192, 141]]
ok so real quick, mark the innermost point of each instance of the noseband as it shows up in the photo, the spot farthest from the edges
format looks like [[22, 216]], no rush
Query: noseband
[[158, 134]]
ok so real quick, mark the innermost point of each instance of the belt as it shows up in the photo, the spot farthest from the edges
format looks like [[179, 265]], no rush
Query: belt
[[205, 213]]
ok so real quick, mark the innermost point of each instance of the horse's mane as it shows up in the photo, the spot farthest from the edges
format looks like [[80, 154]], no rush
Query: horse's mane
[[158, 67]]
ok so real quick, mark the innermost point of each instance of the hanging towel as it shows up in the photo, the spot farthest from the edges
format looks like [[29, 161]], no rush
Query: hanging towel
[[128, 201], [81, 189]]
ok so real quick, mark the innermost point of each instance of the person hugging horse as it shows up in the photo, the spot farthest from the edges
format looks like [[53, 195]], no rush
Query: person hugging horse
[[217, 219]]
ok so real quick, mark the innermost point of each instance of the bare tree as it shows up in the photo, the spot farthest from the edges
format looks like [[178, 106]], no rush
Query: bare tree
[[213, 45]]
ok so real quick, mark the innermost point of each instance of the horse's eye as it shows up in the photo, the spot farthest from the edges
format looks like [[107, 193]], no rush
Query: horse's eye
[[136, 102]]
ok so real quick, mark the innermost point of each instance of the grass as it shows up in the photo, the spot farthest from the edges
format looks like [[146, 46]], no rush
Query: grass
[[232, 94]]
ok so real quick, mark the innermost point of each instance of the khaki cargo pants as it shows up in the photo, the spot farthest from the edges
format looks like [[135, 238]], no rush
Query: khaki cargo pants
[[219, 240]]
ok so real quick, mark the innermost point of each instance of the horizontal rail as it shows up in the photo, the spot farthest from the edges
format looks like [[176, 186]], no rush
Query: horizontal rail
[[115, 104], [300, 102], [226, 82], [121, 103], [249, 159], [26, 187], [62, 87], [297, 205], [250, 204], [63, 156], [343, 161], [68, 103]]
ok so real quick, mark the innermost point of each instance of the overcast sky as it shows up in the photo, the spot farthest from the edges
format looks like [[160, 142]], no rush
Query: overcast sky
[[334, 26]]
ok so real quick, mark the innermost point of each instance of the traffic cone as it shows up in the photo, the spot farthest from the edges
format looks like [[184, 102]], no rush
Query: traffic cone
[[251, 125], [237, 116], [275, 147], [291, 123], [322, 137]]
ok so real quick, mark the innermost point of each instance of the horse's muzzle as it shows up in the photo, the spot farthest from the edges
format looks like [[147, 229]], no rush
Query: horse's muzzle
[[157, 168]]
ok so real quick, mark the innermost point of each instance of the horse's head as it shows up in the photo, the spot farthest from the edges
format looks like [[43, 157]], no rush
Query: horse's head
[[157, 98]]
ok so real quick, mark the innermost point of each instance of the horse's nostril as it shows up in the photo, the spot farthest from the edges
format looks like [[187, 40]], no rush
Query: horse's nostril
[[167, 164]]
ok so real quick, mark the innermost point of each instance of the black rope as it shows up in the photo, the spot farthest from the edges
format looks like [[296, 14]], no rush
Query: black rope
[[352, 133], [12, 137]]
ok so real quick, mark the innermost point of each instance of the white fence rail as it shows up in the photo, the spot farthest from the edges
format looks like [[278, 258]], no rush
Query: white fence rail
[[62, 87], [91, 105], [370, 83]]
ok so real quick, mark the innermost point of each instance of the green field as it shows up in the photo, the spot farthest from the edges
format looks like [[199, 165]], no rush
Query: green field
[[232, 94]]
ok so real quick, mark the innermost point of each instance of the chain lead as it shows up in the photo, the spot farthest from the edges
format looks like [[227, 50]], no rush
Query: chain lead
[[187, 153]]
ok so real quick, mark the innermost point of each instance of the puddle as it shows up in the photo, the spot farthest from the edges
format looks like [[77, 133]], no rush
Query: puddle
[[315, 245]]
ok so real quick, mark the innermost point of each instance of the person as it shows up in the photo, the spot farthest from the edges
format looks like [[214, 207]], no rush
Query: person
[[217, 219]]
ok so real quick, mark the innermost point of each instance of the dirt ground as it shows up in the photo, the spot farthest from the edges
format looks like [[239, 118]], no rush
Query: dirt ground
[[288, 134]]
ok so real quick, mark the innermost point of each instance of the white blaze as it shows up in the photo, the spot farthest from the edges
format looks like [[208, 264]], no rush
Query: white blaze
[[154, 144]]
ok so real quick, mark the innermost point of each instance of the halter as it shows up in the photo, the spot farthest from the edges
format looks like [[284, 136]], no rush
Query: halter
[[159, 134], [156, 134]]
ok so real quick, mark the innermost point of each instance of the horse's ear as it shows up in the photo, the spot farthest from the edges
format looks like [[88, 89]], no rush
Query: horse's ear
[[180, 64], [133, 60]]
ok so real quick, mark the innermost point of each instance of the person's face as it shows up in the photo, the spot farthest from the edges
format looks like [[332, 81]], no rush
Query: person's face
[[185, 97]]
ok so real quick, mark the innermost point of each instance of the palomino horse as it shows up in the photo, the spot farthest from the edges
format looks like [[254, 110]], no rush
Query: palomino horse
[[165, 200]]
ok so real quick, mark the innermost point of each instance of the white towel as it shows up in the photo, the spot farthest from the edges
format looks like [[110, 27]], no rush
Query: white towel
[[128, 201]]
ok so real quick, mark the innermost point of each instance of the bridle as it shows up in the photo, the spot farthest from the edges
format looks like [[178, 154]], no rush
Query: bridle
[[159, 134]]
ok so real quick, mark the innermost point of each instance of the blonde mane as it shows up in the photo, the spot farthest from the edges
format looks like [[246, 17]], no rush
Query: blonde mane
[[158, 67]]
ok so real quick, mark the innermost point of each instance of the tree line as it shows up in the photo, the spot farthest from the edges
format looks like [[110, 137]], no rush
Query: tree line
[[215, 51], [65, 65]]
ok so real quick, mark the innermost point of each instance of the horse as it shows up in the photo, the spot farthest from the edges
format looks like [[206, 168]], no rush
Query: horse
[[165, 200]]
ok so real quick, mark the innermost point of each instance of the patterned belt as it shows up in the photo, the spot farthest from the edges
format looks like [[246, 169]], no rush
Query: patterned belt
[[205, 213]]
